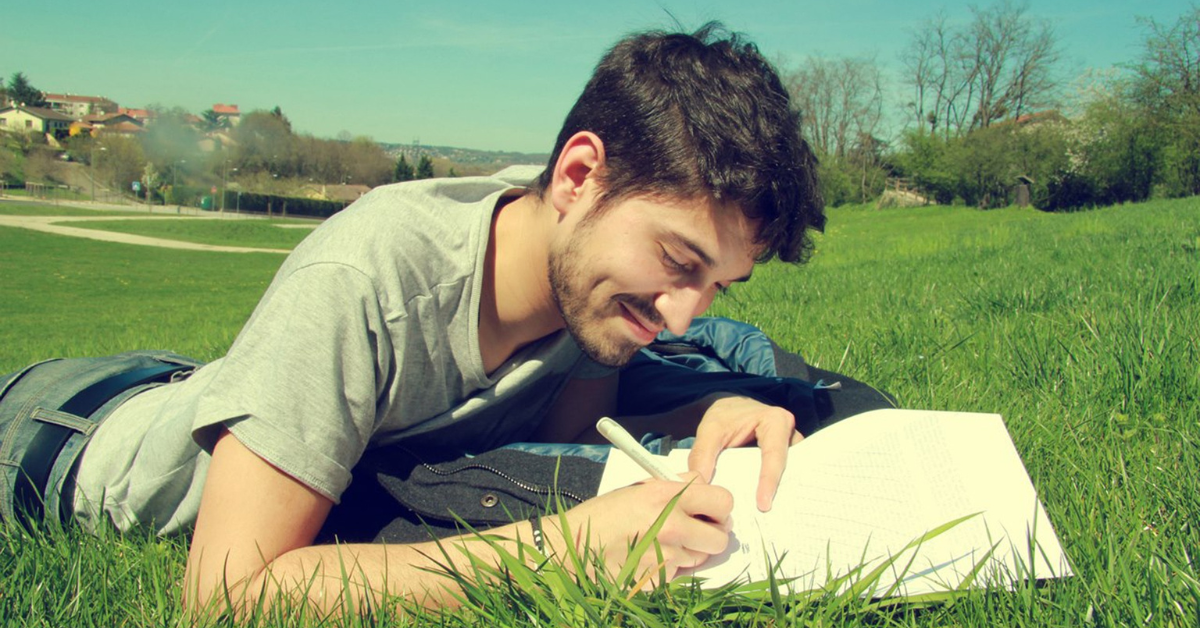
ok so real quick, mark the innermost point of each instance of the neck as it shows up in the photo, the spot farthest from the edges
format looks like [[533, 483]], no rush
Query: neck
[[516, 306]]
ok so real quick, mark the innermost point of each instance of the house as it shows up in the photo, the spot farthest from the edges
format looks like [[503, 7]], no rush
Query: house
[[141, 116], [20, 118], [78, 107], [118, 123], [229, 113]]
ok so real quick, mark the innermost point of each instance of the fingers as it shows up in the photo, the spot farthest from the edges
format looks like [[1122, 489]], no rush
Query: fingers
[[703, 458], [696, 528], [706, 502], [774, 438]]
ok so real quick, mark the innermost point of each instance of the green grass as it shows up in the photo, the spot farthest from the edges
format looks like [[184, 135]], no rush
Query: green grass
[[265, 234], [9, 208], [1081, 329], [65, 296]]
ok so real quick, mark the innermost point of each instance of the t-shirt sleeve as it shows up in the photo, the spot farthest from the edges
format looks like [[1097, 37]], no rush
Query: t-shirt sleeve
[[300, 385]]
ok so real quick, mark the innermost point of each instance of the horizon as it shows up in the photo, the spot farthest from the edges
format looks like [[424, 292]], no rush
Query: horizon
[[516, 76]]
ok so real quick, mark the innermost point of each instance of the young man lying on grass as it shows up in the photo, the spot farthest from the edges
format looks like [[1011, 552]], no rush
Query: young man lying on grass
[[480, 310]]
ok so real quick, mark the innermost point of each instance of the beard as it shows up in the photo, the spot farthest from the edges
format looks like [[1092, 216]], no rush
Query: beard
[[585, 321]]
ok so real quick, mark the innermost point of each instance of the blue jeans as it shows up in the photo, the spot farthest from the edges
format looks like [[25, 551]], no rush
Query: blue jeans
[[32, 396]]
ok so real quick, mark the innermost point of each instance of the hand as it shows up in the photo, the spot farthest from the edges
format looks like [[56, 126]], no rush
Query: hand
[[698, 526], [733, 421]]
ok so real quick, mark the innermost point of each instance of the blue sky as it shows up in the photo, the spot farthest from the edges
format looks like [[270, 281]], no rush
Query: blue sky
[[471, 73]]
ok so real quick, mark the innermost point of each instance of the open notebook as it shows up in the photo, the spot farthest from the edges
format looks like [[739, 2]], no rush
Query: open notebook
[[865, 488]]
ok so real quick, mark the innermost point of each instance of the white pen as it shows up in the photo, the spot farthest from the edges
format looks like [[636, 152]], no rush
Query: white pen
[[622, 440]]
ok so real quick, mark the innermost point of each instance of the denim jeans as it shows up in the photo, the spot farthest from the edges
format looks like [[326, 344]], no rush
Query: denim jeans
[[32, 396]]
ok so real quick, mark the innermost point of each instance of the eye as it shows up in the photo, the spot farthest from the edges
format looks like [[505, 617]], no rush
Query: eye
[[672, 263]]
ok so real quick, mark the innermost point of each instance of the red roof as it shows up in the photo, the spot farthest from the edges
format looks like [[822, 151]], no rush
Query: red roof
[[229, 110], [144, 114]]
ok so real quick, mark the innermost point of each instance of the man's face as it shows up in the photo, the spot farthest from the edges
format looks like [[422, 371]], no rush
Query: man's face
[[644, 264]]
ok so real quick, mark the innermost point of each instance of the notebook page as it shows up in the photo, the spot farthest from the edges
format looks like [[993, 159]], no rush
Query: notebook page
[[863, 489]]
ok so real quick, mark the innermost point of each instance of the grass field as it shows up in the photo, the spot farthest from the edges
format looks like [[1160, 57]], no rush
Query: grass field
[[1082, 329], [9, 208], [264, 234]]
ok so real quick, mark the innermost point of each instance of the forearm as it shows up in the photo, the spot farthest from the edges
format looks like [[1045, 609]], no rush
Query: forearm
[[355, 577]]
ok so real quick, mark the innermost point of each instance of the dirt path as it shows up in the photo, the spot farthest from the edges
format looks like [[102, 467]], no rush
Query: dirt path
[[44, 224]]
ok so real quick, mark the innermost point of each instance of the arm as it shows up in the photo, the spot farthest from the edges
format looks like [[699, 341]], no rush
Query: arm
[[253, 540], [718, 421]]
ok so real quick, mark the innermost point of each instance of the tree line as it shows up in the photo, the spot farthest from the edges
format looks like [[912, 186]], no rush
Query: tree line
[[988, 108], [178, 158]]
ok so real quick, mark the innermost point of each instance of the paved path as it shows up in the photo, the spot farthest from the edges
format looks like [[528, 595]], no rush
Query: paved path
[[44, 224]]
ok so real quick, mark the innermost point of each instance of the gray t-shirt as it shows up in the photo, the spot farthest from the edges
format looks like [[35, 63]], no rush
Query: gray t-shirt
[[368, 335]]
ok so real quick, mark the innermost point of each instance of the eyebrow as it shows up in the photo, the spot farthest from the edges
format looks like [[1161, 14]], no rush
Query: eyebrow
[[705, 258]]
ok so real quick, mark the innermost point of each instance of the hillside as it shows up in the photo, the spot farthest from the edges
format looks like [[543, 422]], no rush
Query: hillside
[[483, 160]]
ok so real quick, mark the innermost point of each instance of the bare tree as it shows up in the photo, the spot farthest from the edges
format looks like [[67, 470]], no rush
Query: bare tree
[[1167, 85], [1168, 76], [926, 63], [840, 100], [1015, 57], [999, 66]]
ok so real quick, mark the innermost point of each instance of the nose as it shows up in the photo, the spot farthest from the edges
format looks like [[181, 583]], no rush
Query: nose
[[679, 306]]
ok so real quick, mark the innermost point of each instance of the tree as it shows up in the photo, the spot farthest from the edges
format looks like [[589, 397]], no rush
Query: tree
[[211, 121], [999, 66], [367, 163], [278, 113], [21, 91], [8, 160], [841, 109], [1167, 85], [149, 179], [404, 170], [839, 100], [425, 168], [264, 141], [41, 165], [119, 161]]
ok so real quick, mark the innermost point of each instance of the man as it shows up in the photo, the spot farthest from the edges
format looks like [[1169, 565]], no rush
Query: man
[[474, 313]]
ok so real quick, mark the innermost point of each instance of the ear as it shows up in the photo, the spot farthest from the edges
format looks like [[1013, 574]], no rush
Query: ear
[[575, 172]]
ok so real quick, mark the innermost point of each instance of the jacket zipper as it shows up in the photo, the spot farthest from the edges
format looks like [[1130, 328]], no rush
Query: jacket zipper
[[519, 484]]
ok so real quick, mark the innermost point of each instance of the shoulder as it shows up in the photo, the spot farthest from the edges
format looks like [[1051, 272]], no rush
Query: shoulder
[[411, 218]]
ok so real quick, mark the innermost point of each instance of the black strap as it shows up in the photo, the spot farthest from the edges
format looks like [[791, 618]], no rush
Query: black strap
[[48, 441]]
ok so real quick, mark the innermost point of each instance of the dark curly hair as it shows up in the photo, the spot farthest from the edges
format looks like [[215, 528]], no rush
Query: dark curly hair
[[685, 116]]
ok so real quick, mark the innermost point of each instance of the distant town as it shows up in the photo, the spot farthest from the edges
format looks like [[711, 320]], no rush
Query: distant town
[[91, 146]]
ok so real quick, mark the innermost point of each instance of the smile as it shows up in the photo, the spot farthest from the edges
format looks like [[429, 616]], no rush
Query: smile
[[644, 334]]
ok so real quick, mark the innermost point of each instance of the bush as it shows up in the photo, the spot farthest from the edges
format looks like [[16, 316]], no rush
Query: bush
[[282, 205]]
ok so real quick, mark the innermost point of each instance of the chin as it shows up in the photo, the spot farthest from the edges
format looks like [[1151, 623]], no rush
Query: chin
[[604, 351]]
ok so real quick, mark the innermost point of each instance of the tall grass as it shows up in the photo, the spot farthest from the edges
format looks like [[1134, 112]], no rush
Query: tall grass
[[1083, 330]]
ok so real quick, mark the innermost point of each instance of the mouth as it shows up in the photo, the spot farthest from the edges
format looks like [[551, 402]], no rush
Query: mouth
[[645, 332]]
